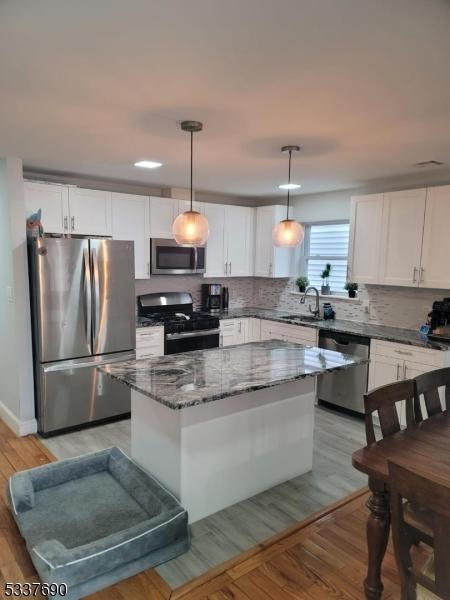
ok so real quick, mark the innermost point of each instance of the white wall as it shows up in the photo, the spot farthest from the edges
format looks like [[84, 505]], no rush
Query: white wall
[[329, 206], [16, 370]]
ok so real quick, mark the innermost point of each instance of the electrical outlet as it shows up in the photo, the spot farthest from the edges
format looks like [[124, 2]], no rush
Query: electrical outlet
[[10, 293]]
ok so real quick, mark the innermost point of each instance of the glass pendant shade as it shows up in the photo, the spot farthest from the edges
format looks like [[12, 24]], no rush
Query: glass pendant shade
[[288, 233], [190, 229]]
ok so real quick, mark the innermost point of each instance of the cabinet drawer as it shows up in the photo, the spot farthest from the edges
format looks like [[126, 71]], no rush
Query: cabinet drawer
[[150, 336], [294, 333], [424, 356]]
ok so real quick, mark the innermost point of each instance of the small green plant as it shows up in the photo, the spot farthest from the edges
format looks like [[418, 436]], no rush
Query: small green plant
[[302, 282], [325, 274], [351, 287]]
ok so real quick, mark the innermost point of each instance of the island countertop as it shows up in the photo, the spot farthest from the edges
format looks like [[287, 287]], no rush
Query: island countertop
[[191, 378]]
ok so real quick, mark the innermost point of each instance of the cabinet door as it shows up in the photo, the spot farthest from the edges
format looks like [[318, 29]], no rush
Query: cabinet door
[[215, 246], [53, 200], [365, 233], [263, 242], [239, 240], [162, 214], [90, 212], [403, 220], [241, 335], [130, 221], [435, 272], [254, 330], [228, 329]]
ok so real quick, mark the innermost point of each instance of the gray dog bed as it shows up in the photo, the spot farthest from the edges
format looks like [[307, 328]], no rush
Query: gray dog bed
[[96, 519]]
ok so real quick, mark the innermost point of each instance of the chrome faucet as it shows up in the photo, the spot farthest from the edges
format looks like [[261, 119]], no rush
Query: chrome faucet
[[316, 311]]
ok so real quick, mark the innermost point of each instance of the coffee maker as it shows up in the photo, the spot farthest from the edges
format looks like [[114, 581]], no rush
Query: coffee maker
[[212, 297]]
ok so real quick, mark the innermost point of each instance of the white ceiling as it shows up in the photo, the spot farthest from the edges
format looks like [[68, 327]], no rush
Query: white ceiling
[[89, 87]]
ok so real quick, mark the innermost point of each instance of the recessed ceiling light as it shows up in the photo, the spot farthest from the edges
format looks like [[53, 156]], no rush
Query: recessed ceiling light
[[289, 186], [147, 164]]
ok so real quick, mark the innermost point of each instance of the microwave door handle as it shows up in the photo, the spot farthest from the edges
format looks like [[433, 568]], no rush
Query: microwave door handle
[[96, 298], [195, 258], [87, 298]]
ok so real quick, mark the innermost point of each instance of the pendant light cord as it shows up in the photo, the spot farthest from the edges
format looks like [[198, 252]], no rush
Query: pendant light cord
[[289, 182], [192, 152]]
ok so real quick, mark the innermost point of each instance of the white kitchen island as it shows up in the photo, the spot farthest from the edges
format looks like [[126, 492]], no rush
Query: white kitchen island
[[218, 426]]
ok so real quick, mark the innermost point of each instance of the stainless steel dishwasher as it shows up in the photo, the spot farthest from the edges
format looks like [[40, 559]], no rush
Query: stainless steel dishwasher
[[344, 388]]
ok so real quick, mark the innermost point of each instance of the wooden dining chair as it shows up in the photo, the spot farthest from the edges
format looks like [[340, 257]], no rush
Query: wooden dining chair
[[427, 386], [383, 400], [430, 491]]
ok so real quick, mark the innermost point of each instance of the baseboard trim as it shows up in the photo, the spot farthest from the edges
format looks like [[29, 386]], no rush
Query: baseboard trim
[[20, 428]]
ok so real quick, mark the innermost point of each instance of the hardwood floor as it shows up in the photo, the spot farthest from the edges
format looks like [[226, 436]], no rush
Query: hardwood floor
[[320, 558], [229, 532]]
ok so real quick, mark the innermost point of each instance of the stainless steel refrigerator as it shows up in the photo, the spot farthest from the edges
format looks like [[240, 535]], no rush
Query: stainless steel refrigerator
[[83, 314]]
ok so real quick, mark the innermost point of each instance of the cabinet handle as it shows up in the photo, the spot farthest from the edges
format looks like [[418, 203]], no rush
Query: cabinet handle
[[421, 273], [404, 353], [270, 269], [415, 275], [398, 371], [404, 371], [226, 268], [72, 223], [240, 326], [230, 267], [65, 223], [148, 268]]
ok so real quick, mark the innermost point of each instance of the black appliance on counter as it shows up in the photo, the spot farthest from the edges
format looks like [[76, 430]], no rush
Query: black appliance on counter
[[440, 320], [212, 297], [184, 328]]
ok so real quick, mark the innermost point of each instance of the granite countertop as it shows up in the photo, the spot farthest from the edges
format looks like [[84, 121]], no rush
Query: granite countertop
[[187, 379], [410, 337]]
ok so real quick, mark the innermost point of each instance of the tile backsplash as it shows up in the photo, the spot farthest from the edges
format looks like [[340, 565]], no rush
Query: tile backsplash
[[397, 306]]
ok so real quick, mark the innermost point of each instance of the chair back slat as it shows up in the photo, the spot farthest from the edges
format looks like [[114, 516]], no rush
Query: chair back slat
[[427, 385], [384, 400], [431, 493]]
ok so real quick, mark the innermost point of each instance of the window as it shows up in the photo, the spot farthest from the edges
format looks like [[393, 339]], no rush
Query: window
[[327, 243]]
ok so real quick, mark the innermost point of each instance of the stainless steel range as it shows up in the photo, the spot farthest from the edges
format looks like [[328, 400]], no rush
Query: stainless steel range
[[184, 328]]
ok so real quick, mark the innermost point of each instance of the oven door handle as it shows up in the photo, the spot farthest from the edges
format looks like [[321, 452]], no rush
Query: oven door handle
[[191, 334]]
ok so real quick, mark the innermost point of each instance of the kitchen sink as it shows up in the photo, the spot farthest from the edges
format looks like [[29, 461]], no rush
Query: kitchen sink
[[300, 318]]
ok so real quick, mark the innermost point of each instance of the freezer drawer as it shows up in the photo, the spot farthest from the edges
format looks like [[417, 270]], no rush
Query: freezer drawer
[[75, 392], [345, 388]]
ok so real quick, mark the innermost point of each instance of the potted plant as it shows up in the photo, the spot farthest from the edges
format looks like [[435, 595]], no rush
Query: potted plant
[[352, 289], [325, 274], [302, 282]]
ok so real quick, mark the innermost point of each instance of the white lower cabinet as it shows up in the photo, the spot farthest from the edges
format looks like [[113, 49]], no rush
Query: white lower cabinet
[[149, 342], [298, 334], [391, 362], [130, 221], [234, 331]]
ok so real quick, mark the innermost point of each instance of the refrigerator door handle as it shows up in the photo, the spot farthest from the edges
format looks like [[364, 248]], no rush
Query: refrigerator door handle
[[96, 299], [87, 297]]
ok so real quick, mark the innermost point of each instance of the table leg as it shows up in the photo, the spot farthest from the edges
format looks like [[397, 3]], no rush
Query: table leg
[[378, 525]]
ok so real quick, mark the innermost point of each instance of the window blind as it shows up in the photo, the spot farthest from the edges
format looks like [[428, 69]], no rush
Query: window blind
[[328, 244]]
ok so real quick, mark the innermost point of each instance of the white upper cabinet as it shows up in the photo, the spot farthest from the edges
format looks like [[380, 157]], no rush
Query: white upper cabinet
[[229, 249], [365, 233], [401, 244], [435, 267], [215, 247], [90, 212], [130, 221], [270, 261], [162, 214], [53, 200], [239, 240]]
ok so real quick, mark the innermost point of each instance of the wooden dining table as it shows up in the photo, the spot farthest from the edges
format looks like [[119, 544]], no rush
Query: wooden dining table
[[424, 446]]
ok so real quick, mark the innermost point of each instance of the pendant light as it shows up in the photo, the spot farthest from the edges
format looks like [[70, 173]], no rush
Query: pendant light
[[288, 233], [191, 228]]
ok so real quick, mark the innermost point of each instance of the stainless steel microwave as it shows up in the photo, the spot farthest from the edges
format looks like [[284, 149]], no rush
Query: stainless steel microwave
[[170, 258]]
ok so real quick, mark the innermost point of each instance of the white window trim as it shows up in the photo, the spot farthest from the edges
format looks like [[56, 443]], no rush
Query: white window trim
[[303, 258]]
